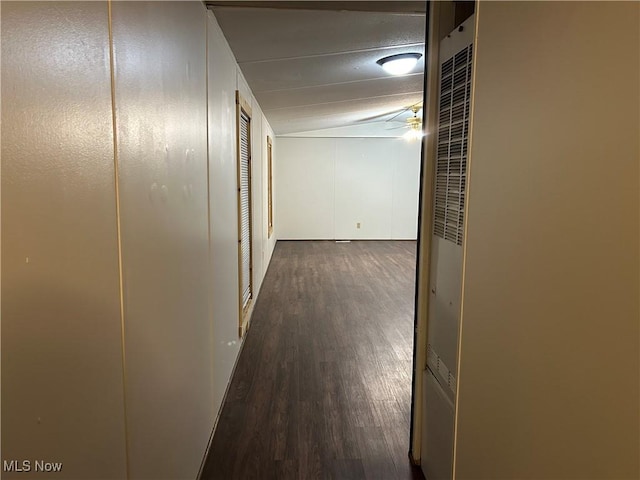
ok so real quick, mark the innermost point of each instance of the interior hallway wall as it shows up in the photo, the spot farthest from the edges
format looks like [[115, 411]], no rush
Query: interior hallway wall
[[161, 120], [64, 382], [223, 207], [224, 79], [549, 373], [269, 241], [326, 186], [62, 386]]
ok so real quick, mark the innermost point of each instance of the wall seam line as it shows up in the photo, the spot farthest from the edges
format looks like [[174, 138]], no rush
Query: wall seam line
[[118, 234], [211, 269]]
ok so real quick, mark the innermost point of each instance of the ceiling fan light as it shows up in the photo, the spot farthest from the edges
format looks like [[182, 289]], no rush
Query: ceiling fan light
[[399, 64], [413, 134]]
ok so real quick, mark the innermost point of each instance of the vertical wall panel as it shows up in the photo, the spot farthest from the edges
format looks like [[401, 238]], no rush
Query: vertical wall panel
[[406, 181], [364, 187], [223, 206], [269, 243], [161, 109], [224, 79], [325, 186], [62, 387], [548, 383], [242, 86], [62, 364], [258, 230], [305, 193]]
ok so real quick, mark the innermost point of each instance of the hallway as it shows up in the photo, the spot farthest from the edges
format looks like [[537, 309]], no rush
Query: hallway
[[322, 387]]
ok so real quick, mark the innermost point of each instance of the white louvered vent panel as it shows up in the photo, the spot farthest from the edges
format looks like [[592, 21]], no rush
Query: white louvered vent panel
[[432, 357], [245, 210], [451, 158], [437, 365], [452, 383]]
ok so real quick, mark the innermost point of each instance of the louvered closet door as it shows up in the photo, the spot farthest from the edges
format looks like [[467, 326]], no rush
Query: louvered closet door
[[245, 210]]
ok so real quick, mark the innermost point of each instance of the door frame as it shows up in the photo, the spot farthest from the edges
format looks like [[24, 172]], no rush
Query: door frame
[[440, 18]]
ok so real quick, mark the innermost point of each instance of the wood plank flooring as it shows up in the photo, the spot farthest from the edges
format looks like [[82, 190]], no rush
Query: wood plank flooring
[[322, 387]]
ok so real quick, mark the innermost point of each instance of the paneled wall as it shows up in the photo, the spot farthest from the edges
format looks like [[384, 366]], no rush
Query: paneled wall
[[327, 186], [223, 207], [62, 383], [119, 234], [224, 80], [549, 384], [161, 126]]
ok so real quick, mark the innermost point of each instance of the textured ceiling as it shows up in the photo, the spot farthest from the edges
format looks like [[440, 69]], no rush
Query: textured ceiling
[[313, 69]]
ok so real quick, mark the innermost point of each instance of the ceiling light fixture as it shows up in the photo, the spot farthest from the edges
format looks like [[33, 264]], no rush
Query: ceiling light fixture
[[414, 133], [399, 64]]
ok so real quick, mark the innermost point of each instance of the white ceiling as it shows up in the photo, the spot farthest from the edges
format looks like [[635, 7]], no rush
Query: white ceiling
[[316, 69]]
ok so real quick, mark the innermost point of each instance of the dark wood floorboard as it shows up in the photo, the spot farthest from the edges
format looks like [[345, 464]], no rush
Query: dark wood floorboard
[[322, 388]]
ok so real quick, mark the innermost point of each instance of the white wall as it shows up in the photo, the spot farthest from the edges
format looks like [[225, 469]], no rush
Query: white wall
[[328, 185], [161, 124], [62, 384], [223, 207], [70, 305], [305, 193], [263, 245], [257, 228], [224, 79], [549, 372], [269, 242]]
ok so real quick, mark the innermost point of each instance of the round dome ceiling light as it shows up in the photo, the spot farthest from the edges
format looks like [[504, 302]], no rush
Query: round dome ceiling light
[[399, 64]]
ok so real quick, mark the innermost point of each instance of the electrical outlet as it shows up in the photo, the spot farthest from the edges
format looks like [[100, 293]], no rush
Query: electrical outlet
[[358, 225]]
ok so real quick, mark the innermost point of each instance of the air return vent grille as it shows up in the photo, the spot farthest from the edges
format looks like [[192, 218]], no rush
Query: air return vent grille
[[453, 134], [437, 366]]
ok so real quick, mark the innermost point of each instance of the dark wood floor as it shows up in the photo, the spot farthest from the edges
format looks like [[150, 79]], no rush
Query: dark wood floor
[[322, 387]]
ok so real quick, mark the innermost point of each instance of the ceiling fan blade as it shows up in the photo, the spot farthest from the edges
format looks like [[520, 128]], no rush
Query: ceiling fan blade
[[395, 114], [379, 116], [397, 120], [407, 109]]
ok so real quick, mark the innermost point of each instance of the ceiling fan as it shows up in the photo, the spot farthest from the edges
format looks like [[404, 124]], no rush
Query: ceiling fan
[[380, 117], [408, 118], [413, 123]]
